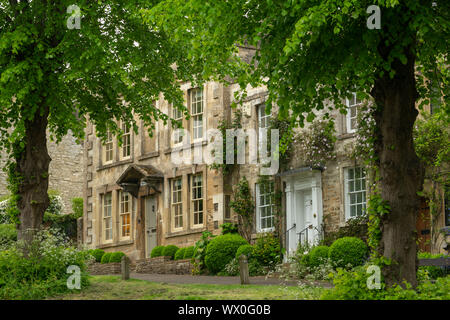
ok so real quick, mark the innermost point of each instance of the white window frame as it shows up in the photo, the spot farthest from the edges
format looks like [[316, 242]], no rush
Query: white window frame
[[177, 137], [197, 108], [176, 205], [197, 196], [107, 216], [126, 142], [123, 212], [269, 205], [263, 118], [108, 148], [349, 116], [348, 193]]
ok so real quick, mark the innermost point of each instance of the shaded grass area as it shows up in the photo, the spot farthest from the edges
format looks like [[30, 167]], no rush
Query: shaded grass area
[[113, 288]]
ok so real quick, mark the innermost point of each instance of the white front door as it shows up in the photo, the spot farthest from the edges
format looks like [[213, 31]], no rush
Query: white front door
[[303, 208], [150, 224]]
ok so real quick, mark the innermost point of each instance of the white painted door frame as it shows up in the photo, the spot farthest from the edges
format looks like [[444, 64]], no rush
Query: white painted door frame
[[296, 187]]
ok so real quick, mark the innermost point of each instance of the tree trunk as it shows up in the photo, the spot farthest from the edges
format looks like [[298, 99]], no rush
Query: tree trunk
[[401, 173], [32, 166]]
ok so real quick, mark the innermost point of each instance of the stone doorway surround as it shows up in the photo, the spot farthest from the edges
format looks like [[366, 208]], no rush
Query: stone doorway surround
[[143, 181], [304, 212]]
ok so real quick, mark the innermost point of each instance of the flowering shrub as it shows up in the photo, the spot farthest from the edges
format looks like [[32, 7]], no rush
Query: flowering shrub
[[43, 272], [316, 145], [56, 205], [365, 134]]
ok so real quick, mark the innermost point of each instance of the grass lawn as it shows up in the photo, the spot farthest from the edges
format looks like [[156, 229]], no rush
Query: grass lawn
[[113, 288]]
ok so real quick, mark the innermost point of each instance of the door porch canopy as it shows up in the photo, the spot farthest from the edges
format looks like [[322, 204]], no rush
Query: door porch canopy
[[137, 175]]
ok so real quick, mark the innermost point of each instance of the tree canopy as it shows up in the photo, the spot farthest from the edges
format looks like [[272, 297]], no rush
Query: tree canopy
[[311, 52]]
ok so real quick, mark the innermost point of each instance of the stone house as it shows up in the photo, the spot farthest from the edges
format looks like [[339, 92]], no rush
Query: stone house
[[137, 195]]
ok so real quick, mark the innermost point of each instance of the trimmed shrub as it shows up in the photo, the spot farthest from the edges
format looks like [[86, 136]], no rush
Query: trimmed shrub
[[348, 251], [221, 250], [189, 252], [98, 254], [170, 251], [157, 251], [116, 256], [8, 234], [179, 255], [267, 250], [318, 255], [106, 257], [246, 249]]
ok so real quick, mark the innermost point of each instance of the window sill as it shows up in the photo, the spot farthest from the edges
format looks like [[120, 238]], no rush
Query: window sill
[[148, 155], [266, 230], [181, 147], [184, 232], [114, 164], [115, 244]]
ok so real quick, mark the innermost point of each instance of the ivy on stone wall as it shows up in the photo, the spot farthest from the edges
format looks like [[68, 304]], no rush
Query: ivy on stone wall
[[223, 126]]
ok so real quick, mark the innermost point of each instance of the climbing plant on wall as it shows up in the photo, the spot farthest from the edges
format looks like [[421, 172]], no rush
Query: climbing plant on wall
[[317, 143], [244, 207]]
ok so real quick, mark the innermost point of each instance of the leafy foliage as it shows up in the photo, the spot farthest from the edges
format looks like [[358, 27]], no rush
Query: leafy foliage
[[116, 256], [318, 255], [229, 228], [246, 249], [98, 254], [189, 252], [244, 207], [267, 250], [221, 250], [200, 251], [43, 272], [169, 251], [352, 285], [432, 138], [348, 251], [316, 145], [355, 227], [296, 38], [180, 254], [106, 257], [157, 251], [8, 235]]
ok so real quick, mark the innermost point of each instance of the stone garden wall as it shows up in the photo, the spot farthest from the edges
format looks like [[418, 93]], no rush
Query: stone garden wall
[[104, 268], [163, 265]]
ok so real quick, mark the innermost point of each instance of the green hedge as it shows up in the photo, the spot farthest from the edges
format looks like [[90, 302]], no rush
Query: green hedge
[[169, 251], [221, 250], [318, 255], [348, 251], [98, 254], [189, 252], [179, 255], [106, 257], [116, 256], [157, 251], [245, 249]]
